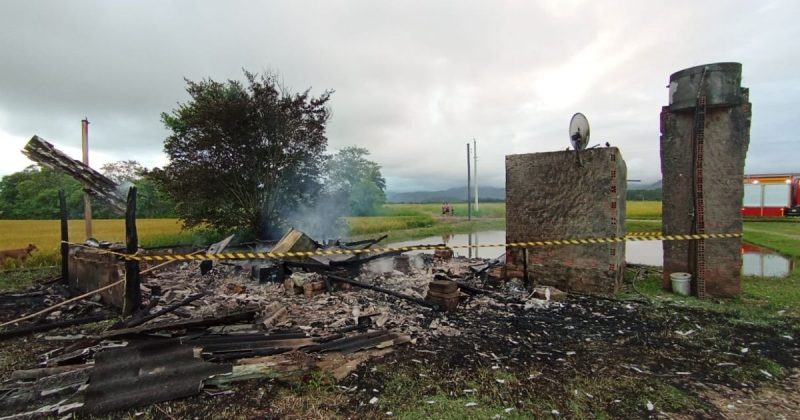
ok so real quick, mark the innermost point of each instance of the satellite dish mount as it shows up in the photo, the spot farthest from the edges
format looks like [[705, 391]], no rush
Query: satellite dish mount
[[579, 134]]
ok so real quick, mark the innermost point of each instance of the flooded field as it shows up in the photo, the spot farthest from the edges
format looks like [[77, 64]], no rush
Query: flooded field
[[756, 261]]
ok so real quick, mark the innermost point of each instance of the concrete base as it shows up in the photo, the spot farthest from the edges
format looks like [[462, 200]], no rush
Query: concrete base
[[549, 196]]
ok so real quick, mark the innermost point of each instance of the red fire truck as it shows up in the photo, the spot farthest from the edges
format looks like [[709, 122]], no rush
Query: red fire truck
[[771, 195]]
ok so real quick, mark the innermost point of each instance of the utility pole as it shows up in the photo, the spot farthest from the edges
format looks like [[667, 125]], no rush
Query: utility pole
[[469, 188], [87, 199], [475, 168]]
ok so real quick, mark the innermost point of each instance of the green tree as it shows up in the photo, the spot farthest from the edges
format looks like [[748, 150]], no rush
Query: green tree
[[151, 200], [123, 172], [244, 156], [33, 194], [357, 178]]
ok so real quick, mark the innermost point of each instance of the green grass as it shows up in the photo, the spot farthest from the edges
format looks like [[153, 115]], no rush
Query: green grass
[[783, 237], [764, 300], [381, 224], [595, 396], [643, 225], [412, 393]]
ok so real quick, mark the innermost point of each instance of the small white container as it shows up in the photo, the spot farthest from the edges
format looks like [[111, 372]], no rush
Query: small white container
[[681, 283]]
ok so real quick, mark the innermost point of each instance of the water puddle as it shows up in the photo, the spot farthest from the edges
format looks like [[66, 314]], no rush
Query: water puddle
[[488, 237], [756, 261]]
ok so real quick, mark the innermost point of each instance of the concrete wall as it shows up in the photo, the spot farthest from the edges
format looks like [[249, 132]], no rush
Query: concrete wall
[[727, 136], [548, 196]]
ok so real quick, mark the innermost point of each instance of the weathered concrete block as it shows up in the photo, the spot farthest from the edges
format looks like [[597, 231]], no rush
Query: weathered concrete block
[[549, 196], [726, 139], [91, 269]]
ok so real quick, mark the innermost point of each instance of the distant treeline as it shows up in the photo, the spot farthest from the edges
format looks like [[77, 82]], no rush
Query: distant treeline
[[33, 194], [644, 195]]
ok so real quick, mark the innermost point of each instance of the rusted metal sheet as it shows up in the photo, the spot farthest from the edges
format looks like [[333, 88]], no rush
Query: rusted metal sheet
[[148, 373], [95, 183]]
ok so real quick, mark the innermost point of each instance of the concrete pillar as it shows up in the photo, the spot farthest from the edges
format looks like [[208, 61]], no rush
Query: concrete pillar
[[549, 196], [703, 150]]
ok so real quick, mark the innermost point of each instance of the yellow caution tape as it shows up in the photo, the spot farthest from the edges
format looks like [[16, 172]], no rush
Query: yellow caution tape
[[633, 236]]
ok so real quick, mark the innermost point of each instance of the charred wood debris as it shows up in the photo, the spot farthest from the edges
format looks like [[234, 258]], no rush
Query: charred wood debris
[[206, 325]]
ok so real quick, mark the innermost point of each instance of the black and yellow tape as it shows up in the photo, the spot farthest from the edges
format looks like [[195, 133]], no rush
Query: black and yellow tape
[[633, 236]]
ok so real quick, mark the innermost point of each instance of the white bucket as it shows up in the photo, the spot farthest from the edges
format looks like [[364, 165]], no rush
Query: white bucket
[[681, 283]]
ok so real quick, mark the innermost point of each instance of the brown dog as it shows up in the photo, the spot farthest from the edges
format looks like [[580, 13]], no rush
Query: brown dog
[[20, 255]]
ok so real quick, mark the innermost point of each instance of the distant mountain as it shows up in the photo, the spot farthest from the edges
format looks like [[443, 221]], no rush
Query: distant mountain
[[453, 195], [643, 186]]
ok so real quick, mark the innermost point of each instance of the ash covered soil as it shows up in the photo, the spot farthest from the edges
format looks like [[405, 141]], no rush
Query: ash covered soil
[[585, 357]]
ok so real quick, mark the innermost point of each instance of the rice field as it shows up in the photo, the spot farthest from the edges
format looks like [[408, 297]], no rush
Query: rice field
[[643, 210], [46, 235]]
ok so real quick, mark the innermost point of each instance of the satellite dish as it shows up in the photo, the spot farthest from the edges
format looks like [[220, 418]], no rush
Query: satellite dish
[[579, 131]]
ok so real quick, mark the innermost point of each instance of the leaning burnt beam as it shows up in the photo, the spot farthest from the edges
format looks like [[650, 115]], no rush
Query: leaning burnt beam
[[239, 338], [364, 342], [416, 300], [365, 258], [95, 183], [315, 266], [133, 322], [366, 243]]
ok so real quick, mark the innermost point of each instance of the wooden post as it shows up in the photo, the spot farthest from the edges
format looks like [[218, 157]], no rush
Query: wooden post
[[62, 202], [133, 292], [525, 276], [87, 199]]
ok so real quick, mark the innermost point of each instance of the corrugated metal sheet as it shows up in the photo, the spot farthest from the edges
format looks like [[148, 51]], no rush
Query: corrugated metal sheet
[[146, 373]]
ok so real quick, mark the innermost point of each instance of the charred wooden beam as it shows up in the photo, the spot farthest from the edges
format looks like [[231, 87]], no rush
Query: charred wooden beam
[[242, 315], [95, 183], [133, 286], [62, 204], [133, 322], [364, 258], [472, 290], [366, 243], [416, 300], [36, 328]]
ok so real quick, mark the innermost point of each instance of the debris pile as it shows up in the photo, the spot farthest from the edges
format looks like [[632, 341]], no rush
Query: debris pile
[[204, 326]]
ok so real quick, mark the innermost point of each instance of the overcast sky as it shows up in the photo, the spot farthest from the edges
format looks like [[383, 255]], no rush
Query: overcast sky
[[414, 81]]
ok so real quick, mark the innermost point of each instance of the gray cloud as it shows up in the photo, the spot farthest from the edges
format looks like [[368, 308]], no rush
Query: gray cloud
[[414, 81]]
